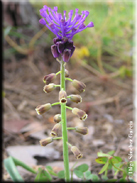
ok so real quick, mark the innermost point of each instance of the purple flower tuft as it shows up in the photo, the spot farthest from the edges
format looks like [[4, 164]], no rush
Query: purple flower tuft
[[60, 25]]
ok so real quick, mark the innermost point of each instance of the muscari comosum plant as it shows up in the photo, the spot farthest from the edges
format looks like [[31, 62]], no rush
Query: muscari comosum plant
[[62, 50]]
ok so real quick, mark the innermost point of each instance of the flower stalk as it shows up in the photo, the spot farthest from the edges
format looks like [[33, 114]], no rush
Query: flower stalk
[[64, 126], [64, 28]]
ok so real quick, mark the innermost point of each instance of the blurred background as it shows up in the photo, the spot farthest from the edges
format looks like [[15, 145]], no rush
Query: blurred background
[[103, 60]]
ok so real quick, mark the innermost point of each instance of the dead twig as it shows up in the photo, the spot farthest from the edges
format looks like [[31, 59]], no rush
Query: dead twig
[[36, 36], [12, 108], [37, 128], [15, 89], [13, 44], [107, 100]]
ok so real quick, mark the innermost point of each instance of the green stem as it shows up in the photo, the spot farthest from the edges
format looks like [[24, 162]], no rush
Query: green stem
[[118, 167], [69, 107], [57, 85], [57, 138], [69, 144], [57, 103], [71, 128], [64, 126], [68, 79], [58, 73], [72, 169]]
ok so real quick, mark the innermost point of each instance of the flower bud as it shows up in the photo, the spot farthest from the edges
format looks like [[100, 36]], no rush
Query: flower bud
[[63, 96], [40, 109], [60, 46], [72, 50], [49, 78], [57, 118], [54, 51], [75, 98], [80, 86], [66, 55], [56, 39], [82, 130], [69, 44], [80, 113], [66, 73], [49, 88], [46, 141], [55, 131], [76, 152]]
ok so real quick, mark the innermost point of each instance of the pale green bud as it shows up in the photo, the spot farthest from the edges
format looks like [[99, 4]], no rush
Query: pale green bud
[[82, 130], [49, 78], [40, 109], [57, 118], [63, 96], [75, 98], [46, 141], [49, 88], [56, 129], [80, 113], [80, 86], [76, 152]]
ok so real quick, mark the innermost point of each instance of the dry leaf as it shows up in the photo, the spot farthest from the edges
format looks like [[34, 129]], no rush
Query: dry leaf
[[15, 125]]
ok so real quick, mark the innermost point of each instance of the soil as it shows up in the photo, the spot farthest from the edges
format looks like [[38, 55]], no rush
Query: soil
[[108, 103]]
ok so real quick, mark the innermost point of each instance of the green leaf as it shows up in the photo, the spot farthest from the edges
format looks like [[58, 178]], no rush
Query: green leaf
[[117, 166], [111, 152], [104, 177], [111, 180], [88, 175], [49, 168], [122, 71], [12, 170], [51, 171], [7, 30], [129, 72], [42, 176], [79, 174], [82, 168], [104, 168], [123, 180], [114, 161], [119, 159], [61, 174], [94, 178], [131, 180], [101, 160], [110, 165], [100, 154]]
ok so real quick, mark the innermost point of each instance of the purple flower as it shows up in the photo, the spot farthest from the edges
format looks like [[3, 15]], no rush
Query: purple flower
[[60, 25], [63, 29]]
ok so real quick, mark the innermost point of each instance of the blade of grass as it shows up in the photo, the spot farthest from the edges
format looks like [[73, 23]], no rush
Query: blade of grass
[[20, 163], [12, 170]]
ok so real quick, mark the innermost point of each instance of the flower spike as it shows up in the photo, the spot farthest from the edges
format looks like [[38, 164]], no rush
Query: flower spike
[[60, 25]]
